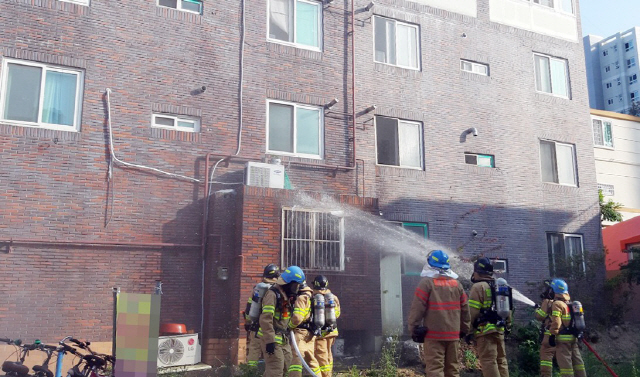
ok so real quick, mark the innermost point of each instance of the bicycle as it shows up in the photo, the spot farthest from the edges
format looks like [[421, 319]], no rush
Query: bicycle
[[17, 368], [95, 364]]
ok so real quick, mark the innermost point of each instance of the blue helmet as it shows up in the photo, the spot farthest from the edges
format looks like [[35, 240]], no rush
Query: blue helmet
[[293, 273], [438, 259], [559, 286]]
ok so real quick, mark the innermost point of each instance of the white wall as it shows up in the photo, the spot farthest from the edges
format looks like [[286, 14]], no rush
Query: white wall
[[536, 18], [466, 7], [620, 166]]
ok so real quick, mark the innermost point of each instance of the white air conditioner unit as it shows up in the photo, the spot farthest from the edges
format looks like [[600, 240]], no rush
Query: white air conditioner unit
[[177, 350], [264, 175]]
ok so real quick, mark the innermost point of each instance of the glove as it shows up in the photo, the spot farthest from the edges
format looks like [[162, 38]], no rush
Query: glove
[[536, 307], [419, 333], [247, 327], [468, 338], [552, 340], [271, 348], [462, 334]]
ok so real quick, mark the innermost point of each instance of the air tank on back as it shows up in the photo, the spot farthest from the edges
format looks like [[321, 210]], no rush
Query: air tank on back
[[330, 309], [318, 310], [256, 300]]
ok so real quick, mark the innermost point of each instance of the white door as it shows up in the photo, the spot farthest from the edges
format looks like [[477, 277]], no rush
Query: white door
[[391, 294]]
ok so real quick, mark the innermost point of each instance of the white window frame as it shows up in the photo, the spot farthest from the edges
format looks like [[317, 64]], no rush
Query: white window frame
[[179, 7], [628, 46], [79, 2], [475, 67], [605, 52], [573, 7], [418, 47], [633, 96], [552, 6], [295, 130], [492, 157], [312, 238], [610, 101], [607, 190], [553, 269], [628, 248], [603, 125], [295, 24], [631, 62], [575, 163], [566, 75], [633, 79], [498, 270], [176, 119], [609, 85], [421, 143], [77, 116], [607, 68]]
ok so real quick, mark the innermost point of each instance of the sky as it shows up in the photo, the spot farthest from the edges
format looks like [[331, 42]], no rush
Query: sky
[[607, 17]]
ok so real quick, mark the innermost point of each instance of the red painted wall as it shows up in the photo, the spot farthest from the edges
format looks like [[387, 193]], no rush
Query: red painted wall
[[616, 237]]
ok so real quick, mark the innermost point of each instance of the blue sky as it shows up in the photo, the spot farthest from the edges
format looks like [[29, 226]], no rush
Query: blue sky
[[607, 17]]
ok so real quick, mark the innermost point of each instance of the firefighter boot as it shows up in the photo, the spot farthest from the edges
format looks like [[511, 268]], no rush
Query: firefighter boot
[[492, 355]]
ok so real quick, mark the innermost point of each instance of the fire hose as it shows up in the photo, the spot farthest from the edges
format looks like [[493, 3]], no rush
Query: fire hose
[[292, 335], [599, 358]]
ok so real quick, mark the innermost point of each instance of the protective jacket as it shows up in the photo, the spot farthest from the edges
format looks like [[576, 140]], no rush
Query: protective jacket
[[247, 320], [440, 305], [325, 333], [302, 310], [543, 314], [276, 313], [480, 302], [561, 319]]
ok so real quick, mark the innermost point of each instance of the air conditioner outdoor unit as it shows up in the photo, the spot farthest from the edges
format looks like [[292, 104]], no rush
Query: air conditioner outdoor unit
[[264, 175], [177, 350]]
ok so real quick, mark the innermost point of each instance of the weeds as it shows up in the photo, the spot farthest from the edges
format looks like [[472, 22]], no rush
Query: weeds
[[388, 364], [246, 370]]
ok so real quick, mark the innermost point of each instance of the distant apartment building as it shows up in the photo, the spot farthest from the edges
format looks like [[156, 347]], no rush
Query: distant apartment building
[[612, 70], [616, 141], [461, 121]]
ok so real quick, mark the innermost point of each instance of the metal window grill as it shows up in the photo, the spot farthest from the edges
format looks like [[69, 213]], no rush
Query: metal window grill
[[312, 240], [607, 190]]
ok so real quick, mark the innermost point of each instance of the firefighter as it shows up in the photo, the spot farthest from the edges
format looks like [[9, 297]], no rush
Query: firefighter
[[303, 330], [489, 326], [269, 276], [439, 316], [563, 336], [275, 316], [328, 335], [543, 314]]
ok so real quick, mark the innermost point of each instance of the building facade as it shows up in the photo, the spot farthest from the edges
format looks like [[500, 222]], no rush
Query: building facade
[[612, 70], [615, 139], [126, 129]]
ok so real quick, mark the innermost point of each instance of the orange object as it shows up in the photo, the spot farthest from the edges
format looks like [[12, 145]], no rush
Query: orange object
[[173, 329]]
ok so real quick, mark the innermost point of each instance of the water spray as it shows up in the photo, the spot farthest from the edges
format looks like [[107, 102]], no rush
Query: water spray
[[292, 335]]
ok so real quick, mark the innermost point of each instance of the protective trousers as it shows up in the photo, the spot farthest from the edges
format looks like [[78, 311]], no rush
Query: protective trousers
[[546, 357], [569, 359], [324, 355], [254, 348], [492, 355], [441, 358], [277, 365], [306, 344]]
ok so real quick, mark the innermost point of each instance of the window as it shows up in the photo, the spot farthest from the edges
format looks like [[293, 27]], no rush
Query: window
[[634, 96], [567, 6], [193, 6], [602, 135], [631, 249], [175, 122], [610, 101], [551, 76], [605, 52], [546, 3], [294, 129], [396, 43], [40, 95], [558, 163], [609, 85], [473, 67], [566, 254], [619, 82], [313, 240], [500, 266], [413, 266], [628, 46], [607, 190], [633, 79], [617, 64], [631, 62], [297, 22], [399, 142], [483, 160], [607, 69]]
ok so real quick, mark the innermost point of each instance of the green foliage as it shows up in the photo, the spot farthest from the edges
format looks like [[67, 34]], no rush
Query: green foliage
[[246, 370], [387, 365], [594, 367], [634, 109], [609, 210], [631, 271], [527, 362], [470, 360]]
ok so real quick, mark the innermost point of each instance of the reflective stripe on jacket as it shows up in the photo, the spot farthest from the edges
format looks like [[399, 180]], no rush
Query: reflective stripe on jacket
[[275, 317], [302, 308], [480, 299], [561, 319]]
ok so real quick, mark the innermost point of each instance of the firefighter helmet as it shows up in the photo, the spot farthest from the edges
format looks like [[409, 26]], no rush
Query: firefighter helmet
[[559, 286], [271, 271], [293, 273], [438, 259], [483, 266], [320, 282]]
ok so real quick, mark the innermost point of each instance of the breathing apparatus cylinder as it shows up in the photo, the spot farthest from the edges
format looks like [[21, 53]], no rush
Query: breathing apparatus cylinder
[[256, 300], [318, 310], [578, 316], [330, 309], [503, 299]]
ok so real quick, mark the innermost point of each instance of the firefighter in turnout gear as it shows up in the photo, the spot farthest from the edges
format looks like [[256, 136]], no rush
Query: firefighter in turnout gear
[[254, 345], [303, 329], [563, 333], [274, 319], [329, 332], [439, 316], [489, 326], [543, 314]]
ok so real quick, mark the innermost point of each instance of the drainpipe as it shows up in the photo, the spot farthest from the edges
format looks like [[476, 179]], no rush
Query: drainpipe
[[353, 81]]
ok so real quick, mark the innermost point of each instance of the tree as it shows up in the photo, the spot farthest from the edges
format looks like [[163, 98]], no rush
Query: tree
[[634, 109], [609, 210]]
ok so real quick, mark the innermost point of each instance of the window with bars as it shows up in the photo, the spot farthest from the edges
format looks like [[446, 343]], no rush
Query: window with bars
[[607, 190], [602, 134], [313, 240]]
